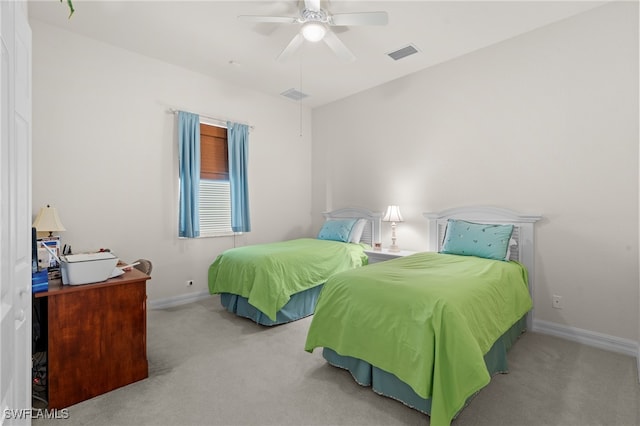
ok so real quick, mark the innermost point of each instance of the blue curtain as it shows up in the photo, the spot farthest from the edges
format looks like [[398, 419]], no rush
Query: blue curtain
[[238, 144], [189, 147]]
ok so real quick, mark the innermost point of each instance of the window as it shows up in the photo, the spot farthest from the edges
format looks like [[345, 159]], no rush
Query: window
[[215, 196]]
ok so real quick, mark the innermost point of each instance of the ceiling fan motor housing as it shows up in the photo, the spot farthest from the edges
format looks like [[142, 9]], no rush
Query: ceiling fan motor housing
[[314, 16]]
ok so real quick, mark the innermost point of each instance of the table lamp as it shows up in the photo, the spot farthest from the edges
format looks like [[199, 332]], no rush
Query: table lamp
[[48, 221], [393, 215]]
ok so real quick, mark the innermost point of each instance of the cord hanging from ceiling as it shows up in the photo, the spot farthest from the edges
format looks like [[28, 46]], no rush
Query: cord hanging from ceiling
[[300, 101]]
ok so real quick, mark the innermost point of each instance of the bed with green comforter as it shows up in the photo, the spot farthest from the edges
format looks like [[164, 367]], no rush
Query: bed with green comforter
[[428, 322], [280, 282]]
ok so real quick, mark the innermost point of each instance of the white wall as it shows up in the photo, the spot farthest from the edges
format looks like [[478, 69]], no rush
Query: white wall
[[105, 154], [543, 123]]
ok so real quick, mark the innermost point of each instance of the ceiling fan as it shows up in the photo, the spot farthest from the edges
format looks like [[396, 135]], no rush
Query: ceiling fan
[[316, 25]]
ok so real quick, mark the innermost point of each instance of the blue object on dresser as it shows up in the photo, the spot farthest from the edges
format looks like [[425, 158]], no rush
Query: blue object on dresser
[[40, 281]]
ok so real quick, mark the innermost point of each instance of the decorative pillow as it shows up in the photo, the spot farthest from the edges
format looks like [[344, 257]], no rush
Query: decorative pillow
[[357, 230], [336, 230], [477, 239]]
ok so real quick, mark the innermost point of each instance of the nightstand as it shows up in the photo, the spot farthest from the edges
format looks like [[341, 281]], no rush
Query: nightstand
[[385, 254]]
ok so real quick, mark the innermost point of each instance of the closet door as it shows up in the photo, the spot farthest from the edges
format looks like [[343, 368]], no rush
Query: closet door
[[15, 214]]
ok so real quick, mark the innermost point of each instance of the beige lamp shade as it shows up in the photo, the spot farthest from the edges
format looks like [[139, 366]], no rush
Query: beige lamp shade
[[392, 214], [48, 221]]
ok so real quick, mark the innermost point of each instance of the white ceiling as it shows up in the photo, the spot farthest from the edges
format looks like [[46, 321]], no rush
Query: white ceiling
[[207, 37]]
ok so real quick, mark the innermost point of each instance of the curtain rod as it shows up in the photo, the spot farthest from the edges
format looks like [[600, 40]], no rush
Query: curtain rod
[[219, 120]]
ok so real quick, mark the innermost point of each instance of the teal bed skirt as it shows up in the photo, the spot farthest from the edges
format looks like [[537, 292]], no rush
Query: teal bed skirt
[[300, 305], [389, 385]]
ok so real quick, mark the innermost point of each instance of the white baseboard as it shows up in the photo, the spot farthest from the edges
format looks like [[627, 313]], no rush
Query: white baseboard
[[590, 338], [177, 300]]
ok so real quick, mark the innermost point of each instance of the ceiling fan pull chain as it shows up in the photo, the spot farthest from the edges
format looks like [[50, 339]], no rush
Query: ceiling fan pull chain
[[300, 100]]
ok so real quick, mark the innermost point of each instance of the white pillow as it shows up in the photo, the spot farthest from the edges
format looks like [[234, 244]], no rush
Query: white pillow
[[512, 243], [357, 230]]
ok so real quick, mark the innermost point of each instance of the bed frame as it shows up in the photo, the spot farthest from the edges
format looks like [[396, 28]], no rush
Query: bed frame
[[523, 234]]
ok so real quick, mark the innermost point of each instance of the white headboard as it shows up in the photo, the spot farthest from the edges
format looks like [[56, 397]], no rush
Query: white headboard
[[522, 233], [371, 232]]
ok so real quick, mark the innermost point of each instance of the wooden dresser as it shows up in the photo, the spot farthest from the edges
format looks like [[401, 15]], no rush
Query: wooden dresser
[[97, 337]]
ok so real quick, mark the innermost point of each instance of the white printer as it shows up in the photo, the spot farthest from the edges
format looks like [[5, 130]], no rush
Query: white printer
[[87, 268]]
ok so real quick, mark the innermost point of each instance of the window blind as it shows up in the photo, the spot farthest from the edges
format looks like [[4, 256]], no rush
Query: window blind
[[215, 208], [214, 153]]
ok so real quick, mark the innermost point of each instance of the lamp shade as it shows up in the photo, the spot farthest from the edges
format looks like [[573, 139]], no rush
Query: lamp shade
[[392, 214], [48, 220]]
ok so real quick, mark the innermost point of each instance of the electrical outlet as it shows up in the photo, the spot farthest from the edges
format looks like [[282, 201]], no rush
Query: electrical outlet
[[556, 301], [189, 283]]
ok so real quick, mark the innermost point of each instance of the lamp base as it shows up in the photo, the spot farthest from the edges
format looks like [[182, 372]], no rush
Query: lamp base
[[394, 247]]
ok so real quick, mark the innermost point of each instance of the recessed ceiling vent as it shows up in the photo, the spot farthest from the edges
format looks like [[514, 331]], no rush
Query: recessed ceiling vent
[[403, 52], [294, 94]]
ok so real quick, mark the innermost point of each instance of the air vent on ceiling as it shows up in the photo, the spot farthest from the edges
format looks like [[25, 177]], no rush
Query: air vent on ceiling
[[403, 52], [294, 94]]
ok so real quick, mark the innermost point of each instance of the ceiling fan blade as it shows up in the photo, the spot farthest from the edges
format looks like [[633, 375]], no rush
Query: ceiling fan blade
[[362, 18], [312, 4], [293, 45], [338, 46], [274, 19]]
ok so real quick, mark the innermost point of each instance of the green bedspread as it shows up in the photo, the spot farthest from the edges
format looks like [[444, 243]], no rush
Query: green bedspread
[[268, 274], [427, 318]]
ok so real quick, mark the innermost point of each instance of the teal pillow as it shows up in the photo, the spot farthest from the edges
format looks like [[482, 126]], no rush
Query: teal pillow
[[336, 230], [477, 239]]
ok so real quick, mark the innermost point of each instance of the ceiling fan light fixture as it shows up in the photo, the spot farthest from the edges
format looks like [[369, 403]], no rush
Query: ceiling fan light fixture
[[313, 31]]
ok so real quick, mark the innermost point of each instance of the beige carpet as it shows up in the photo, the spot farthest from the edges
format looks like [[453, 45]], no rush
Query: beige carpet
[[209, 367]]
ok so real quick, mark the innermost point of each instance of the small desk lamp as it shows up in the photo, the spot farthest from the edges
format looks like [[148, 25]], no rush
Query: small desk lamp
[[48, 221], [393, 215]]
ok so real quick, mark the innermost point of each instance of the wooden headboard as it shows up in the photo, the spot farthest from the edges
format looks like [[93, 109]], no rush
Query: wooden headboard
[[371, 232], [523, 233]]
